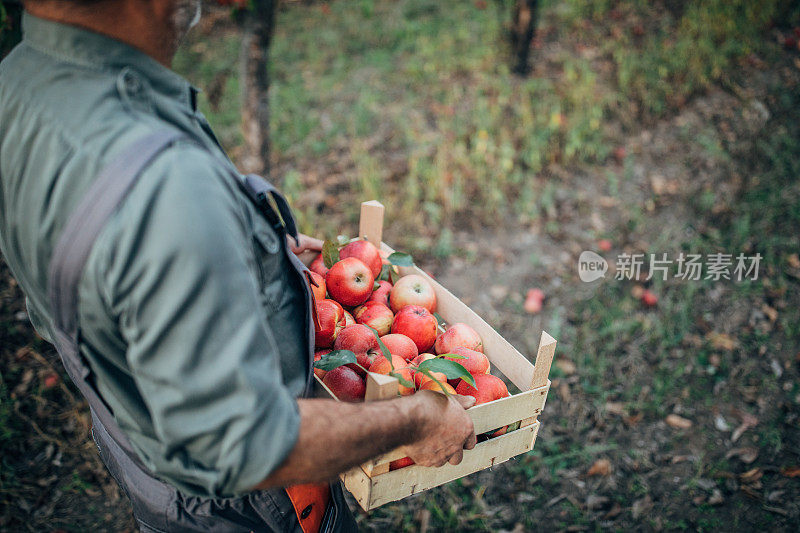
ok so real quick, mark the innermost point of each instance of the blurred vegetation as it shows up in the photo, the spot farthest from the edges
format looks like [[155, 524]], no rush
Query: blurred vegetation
[[430, 79]]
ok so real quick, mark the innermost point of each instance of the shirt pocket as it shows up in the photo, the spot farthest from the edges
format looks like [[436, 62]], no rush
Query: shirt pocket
[[269, 261]]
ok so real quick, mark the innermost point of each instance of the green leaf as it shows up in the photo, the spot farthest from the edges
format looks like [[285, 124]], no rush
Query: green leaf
[[335, 359], [401, 259], [386, 273], [451, 356], [330, 253], [449, 368], [384, 350], [403, 381], [439, 319], [376, 286]]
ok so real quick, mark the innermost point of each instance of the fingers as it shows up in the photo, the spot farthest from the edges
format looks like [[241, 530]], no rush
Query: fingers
[[471, 441], [456, 458], [465, 401], [310, 243]]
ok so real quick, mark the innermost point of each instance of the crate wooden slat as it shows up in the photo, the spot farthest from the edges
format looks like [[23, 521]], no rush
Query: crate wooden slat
[[372, 483]]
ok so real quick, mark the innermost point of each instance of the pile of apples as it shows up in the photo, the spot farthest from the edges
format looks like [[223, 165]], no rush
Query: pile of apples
[[354, 311]]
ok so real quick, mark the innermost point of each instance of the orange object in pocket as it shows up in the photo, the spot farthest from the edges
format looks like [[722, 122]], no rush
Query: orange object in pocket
[[310, 502]]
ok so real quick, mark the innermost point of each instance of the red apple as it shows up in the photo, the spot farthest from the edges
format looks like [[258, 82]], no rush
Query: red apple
[[317, 356], [487, 388], [412, 290], [649, 298], [350, 282], [475, 362], [400, 463], [345, 384], [533, 301], [375, 315], [459, 335], [439, 387], [364, 251], [331, 321], [399, 344], [318, 290], [360, 340], [381, 366], [416, 323], [318, 266], [381, 294]]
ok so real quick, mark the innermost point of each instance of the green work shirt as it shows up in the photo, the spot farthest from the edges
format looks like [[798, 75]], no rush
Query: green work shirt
[[191, 317]]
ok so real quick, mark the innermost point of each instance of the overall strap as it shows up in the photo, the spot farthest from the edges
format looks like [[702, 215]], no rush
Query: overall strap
[[72, 251]]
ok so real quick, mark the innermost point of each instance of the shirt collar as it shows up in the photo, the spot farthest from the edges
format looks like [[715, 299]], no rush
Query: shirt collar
[[93, 50]]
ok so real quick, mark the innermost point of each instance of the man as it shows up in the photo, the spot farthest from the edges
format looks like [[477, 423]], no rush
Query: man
[[193, 323]]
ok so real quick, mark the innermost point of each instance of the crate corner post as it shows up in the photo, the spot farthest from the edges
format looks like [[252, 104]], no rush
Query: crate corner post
[[371, 222]]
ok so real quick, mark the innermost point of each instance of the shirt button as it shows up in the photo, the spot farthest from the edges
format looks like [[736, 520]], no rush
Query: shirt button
[[306, 512]]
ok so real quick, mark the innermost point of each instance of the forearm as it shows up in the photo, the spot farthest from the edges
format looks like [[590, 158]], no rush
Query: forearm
[[335, 436]]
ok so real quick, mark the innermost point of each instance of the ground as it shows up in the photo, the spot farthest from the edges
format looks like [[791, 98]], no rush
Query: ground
[[664, 128]]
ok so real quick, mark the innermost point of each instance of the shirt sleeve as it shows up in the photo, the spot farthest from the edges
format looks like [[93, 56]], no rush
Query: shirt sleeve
[[183, 282]]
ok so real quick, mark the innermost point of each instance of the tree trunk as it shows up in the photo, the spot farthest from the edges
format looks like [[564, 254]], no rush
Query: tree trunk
[[258, 25], [523, 29]]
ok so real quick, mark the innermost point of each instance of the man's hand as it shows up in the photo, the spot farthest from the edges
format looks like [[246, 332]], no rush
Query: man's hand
[[445, 429], [307, 243]]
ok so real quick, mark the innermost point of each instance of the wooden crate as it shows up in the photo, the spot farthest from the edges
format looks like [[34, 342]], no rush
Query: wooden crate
[[372, 484]]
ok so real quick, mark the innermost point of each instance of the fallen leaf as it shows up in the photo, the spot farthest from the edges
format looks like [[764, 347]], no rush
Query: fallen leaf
[[596, 502], [678, 422], [632, 420], [615, 408], [771, 312], [566, 366], [641, 506], [751, 476], [716, 498], [748, 421], [793, 260], [601, 467], [721, 424], [791, 471], [721, 341], [746, 454]]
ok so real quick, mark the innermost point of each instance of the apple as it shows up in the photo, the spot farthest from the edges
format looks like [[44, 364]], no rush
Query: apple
[[360, 340], [345, 384], [437, 387], [381, 294], [487, 388], [318, 266], [318, 289], [459, 335], [412, 290], [349, 320], [649, 298], [366, 252], [375, 315], [421, 378], [400, 463], [317, 356], [418, 324], [399, 344], [350, 281], [381, 366], [533, 301], [330, 316], [475, 362]]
